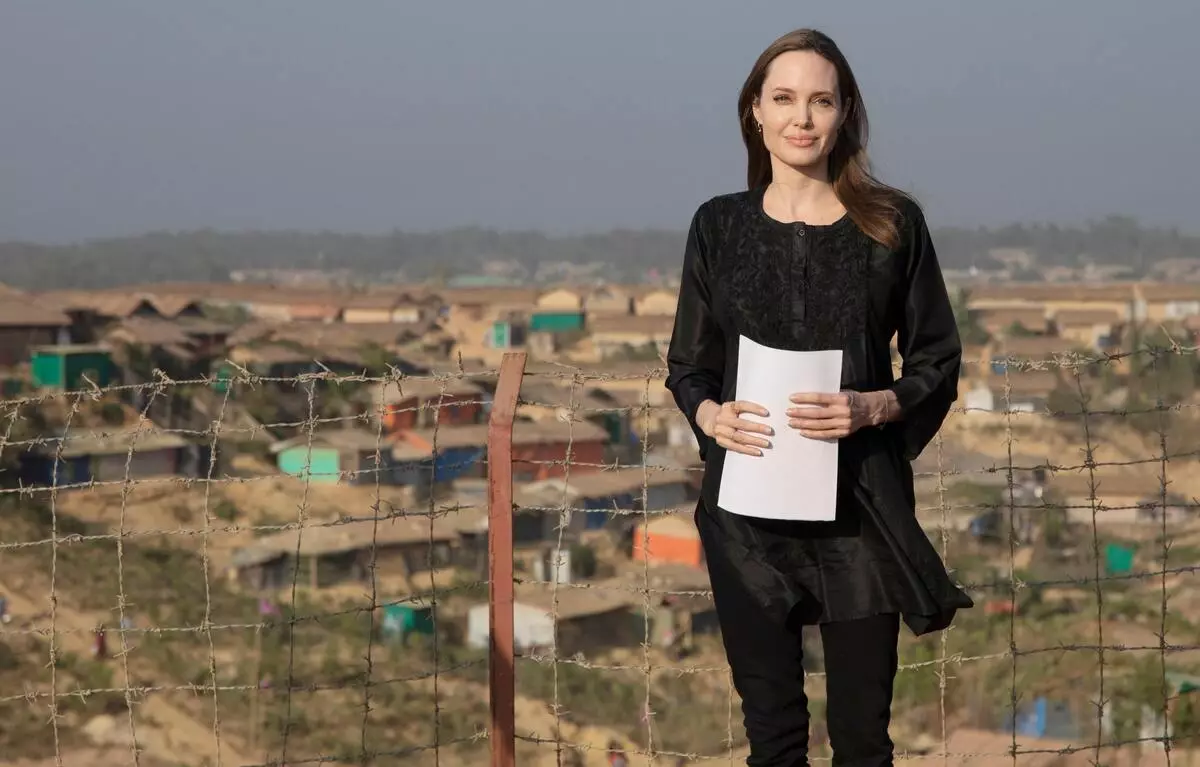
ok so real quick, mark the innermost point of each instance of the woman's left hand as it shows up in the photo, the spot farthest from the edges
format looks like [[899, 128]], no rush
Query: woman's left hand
[[830, 416]]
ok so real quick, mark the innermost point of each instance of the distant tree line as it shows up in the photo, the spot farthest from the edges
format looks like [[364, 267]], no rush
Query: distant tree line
[[210, 256]]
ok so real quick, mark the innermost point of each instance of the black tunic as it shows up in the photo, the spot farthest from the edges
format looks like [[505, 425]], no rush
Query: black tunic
[[803, 287]]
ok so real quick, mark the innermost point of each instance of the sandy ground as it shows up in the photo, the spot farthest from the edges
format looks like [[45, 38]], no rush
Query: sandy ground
[[164, 729]]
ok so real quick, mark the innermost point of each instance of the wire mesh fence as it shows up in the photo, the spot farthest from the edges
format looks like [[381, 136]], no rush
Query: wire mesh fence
[[295, 570]]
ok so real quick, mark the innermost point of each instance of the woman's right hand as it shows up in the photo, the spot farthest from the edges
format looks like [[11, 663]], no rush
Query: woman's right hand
[[724, 424]]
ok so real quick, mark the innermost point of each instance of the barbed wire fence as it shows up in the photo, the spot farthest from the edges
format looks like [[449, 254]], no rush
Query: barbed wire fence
[[299, 589]]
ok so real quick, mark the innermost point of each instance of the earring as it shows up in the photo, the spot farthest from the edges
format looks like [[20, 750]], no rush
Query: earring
[[760, 127]]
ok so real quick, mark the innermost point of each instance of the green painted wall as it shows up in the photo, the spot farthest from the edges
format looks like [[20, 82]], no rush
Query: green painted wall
[[556, 322], [1118, 558], [223, 375], [407, 619], [97, 366], [47, 370], [11, 387], [66, 368], [500, 334], [612, 423], [323, 463]]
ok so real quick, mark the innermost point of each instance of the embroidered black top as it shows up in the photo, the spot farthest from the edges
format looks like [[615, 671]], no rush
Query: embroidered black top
[[803, 287]]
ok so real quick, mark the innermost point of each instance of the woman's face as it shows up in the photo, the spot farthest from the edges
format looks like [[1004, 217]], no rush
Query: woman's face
[[800, 109]]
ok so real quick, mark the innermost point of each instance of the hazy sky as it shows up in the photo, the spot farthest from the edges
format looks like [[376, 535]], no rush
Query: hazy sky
[[120, 116]]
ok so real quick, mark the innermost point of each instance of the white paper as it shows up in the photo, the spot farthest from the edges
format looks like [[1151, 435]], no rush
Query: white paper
[[796, 477]]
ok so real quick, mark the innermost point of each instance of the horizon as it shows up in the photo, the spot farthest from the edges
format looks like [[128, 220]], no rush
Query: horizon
[[552, 235]]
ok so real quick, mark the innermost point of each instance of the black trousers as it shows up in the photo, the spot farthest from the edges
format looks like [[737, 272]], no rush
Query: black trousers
[[767, 663]]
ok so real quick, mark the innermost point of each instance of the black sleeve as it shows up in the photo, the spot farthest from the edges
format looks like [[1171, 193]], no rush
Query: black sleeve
[[696, 356], [927, 339]]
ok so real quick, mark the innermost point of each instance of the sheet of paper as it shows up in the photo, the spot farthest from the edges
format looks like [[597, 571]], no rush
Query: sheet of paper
[[795, 478]]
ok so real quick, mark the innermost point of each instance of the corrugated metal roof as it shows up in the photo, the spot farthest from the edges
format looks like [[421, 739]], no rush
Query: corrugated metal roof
[[579, 600], [334, 536], [648, 324], [1054, 291], [80, 442], [106, 304], [390, 392], [342, 439], [21, 310], [599, 484], [524, 433], [1086, 317]]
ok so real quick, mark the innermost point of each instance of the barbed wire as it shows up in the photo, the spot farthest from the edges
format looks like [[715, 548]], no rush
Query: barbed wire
[[390, 623]]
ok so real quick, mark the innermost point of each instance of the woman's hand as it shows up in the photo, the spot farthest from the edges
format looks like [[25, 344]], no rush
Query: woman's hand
[[834, 416], [724, 424]]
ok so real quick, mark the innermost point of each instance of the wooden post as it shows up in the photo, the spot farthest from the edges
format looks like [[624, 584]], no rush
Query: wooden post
[[501, 673]]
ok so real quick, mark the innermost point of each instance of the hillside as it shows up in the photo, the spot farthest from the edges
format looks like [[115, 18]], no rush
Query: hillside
[[351, 689], [211, 256]]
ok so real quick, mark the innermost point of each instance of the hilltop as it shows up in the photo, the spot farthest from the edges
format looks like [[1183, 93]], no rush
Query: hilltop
[[527, 256]]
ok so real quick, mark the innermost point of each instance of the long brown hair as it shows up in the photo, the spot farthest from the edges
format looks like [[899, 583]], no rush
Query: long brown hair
[[871, 204]]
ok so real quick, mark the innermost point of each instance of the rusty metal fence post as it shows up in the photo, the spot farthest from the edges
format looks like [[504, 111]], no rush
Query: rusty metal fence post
[[501, 671]]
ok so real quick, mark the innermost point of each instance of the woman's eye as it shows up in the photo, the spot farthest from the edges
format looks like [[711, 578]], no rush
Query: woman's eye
[[825, 102], [781, 99]]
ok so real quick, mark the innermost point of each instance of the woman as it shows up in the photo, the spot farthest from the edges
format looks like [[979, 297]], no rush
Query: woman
[[817, 254]]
